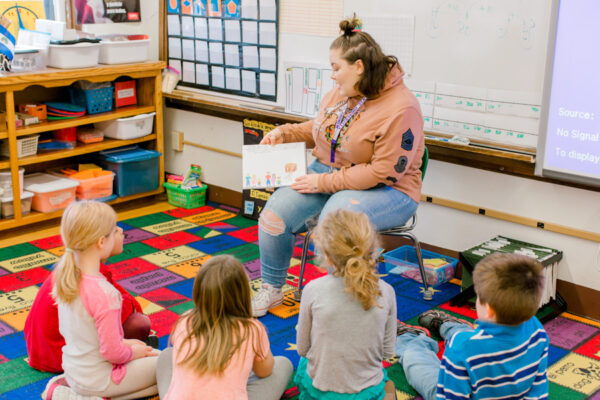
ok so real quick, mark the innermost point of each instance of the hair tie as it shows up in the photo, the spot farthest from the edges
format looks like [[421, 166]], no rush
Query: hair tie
[[68, 250], [356, 30]]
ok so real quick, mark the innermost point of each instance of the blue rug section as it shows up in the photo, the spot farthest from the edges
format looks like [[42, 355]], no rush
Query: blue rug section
[[13, 346], [216, 244], [124, 226], [555, 354], [28, 392], [184, 288]]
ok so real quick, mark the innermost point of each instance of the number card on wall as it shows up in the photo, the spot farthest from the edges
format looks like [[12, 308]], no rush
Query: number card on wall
[[225, 45]]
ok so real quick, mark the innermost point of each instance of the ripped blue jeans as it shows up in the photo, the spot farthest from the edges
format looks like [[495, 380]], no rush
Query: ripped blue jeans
[[386, 208]]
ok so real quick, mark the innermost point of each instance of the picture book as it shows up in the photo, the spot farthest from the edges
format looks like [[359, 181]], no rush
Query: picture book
[[266, 166]]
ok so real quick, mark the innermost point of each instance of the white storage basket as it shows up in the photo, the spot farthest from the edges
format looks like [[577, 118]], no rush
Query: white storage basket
[[124, 51], [127, 128], [80, 55], [26, 146]]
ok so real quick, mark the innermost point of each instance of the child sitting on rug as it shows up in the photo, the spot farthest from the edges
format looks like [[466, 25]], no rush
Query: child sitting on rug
[[97, 359], [42, 336], [347, 322], [217, 344], [506, 356]]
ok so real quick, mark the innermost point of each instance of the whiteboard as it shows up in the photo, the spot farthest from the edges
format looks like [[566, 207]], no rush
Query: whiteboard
[[485, 58]]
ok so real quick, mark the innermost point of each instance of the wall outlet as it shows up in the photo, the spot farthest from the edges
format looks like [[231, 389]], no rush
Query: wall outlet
[[177, 140]]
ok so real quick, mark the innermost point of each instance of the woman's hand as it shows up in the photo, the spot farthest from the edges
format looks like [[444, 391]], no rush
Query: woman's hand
[[273, 137], [307, 184]]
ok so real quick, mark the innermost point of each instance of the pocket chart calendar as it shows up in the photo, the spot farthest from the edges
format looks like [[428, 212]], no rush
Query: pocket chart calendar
[[278, 165]]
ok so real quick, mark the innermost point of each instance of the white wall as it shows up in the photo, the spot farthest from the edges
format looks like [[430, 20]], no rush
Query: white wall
[[148, 25]]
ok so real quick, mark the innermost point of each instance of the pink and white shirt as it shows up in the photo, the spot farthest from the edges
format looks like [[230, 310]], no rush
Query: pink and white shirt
[[94, 352]]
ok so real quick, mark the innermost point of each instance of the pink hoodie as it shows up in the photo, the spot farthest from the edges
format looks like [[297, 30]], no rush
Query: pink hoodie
[[383, 144]]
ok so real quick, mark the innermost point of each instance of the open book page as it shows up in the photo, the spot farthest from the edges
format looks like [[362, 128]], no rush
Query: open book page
[[278, 165]]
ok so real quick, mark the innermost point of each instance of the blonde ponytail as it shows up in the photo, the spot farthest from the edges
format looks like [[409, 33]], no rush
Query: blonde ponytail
[[67, 277], [347, 240], [83, 223]]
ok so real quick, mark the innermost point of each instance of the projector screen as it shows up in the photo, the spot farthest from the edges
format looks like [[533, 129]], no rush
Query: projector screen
[[569, 141]]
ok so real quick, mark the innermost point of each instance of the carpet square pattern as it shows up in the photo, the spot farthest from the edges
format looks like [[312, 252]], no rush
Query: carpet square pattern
[[164, 251]]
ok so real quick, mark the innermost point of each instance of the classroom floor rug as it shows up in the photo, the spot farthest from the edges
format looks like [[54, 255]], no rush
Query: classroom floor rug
[[162, 254]]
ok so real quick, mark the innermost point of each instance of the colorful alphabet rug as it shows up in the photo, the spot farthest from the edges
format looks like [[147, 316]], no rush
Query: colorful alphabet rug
[[161, 256]]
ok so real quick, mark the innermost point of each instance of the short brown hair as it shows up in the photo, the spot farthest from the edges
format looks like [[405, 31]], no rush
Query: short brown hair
[[511, 284], [358, 45]]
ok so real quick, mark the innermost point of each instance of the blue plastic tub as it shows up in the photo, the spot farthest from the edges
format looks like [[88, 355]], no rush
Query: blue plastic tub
[[403, 261], [136, 169]]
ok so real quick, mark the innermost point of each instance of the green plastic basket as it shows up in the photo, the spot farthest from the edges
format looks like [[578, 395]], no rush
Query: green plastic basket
[[190, 198]]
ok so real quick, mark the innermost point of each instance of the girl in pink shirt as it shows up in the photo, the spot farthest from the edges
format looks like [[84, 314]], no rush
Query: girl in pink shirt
[[219, 351], [97, 360]]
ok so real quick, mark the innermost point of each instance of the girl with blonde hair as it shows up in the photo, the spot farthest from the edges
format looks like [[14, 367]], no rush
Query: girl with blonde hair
[[97, 360], [219, 351], [347, 322]]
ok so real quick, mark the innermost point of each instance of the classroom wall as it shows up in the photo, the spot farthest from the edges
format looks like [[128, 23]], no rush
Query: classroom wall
[[437, 225]]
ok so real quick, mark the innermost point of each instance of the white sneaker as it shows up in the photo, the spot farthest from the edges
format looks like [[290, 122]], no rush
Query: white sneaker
[[265, 299], [57, 388]]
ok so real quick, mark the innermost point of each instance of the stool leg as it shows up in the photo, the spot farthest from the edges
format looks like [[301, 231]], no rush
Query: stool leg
[[298, 295], [427, 293]]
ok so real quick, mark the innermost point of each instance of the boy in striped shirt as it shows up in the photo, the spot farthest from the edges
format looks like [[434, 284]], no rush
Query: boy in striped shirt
[[505, 357]]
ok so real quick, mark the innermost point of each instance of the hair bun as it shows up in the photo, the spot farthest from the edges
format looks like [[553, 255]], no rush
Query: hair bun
[[349, 25]]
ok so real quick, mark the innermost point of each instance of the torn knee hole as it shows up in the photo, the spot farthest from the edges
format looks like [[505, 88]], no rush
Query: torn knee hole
[[271, 223]]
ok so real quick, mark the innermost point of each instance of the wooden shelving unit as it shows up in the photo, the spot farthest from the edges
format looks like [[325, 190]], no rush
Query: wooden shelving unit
[[149, 99]]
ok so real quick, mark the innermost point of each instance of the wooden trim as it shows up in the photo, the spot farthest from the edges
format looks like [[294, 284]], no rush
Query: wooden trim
[[83, 149], [12, 148], [221, 195], [52, 77], [162, 31], [217, 150], [228, 108], [86, 119], [159, 126], [517, 219], [580, 300]]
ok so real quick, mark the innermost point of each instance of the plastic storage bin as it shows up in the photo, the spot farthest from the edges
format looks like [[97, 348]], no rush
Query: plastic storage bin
[[190, 198], [403, 261], [93, 184], [26, 146], [79, 55], [50, 193], [136, 169], [7, 204], [127, 128], [94, 100], [123, 51], [6, 180]]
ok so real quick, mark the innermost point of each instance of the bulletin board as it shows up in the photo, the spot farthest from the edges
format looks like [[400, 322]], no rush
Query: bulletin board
[[226, 46]]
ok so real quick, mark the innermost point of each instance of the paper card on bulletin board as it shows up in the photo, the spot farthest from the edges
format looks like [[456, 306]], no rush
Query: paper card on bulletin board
[[306, 84], [28, 10], [278, 165]]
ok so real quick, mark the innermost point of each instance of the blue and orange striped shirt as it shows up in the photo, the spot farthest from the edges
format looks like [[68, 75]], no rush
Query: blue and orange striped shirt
[[496, 362]]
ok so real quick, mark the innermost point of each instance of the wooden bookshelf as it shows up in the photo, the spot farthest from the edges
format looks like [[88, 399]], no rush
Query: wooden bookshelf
[[149, 97], [87, 119]]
